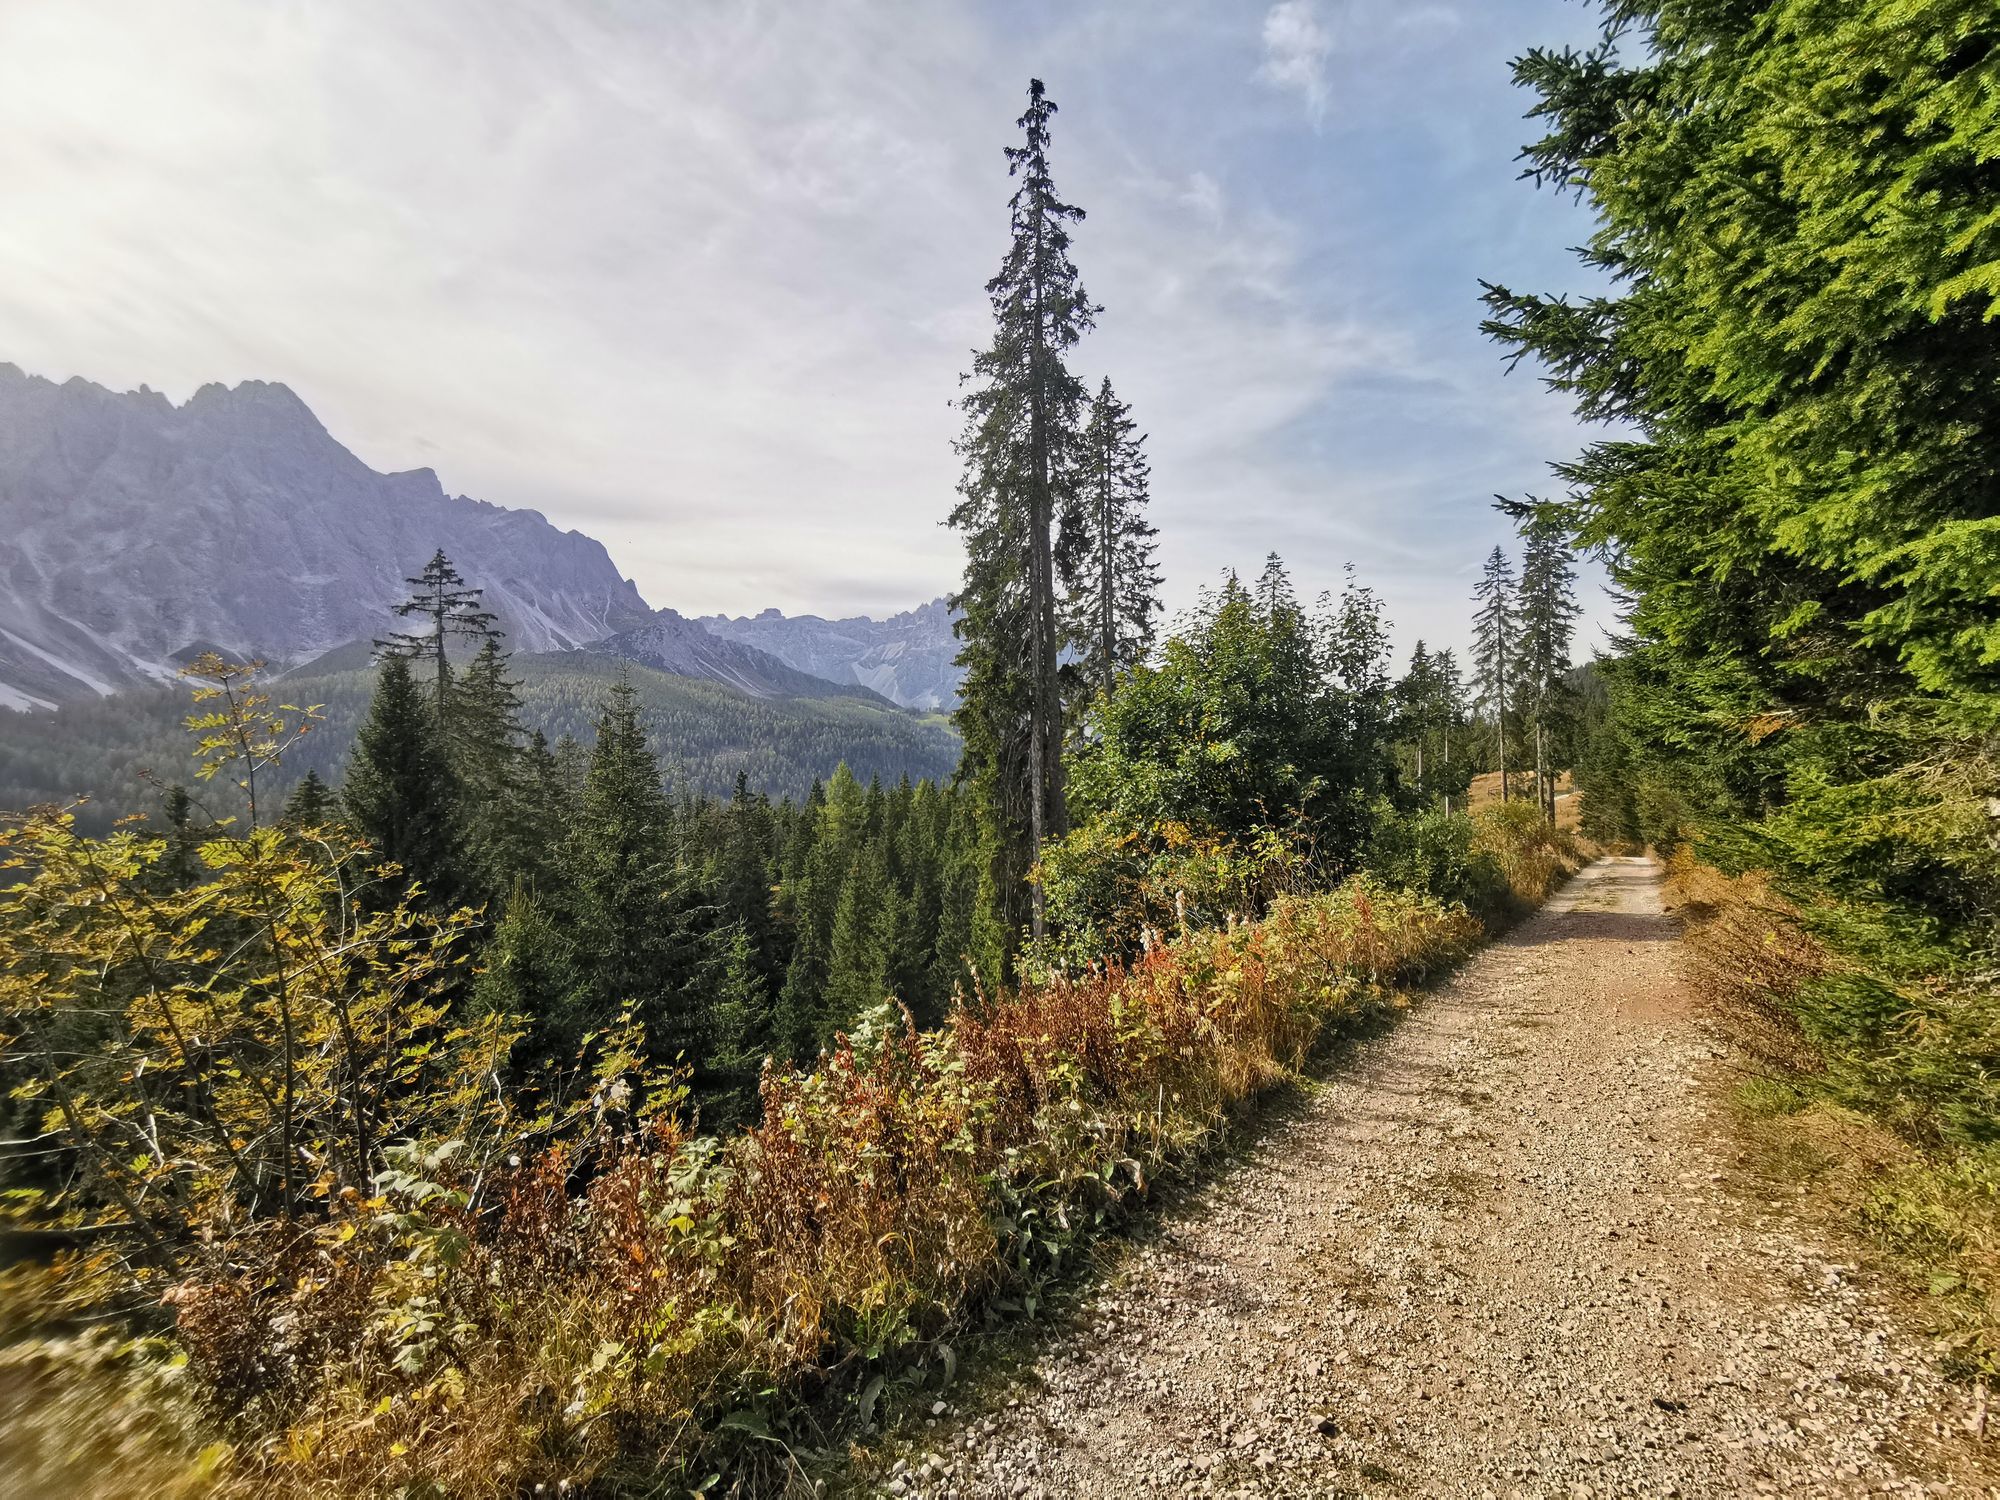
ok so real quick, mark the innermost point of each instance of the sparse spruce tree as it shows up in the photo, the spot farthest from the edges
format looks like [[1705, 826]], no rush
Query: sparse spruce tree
[[1020, 447], [1493, 629], [1106, 556], [1547, 611], [453, 609]]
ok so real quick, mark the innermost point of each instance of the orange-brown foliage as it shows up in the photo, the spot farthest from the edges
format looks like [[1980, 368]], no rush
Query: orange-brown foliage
[[622, 1302]]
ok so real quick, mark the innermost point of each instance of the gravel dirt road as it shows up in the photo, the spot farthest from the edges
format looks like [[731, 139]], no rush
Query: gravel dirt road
[[1501, 1251]]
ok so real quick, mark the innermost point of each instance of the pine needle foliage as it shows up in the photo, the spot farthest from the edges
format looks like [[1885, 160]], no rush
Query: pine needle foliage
[[1106, 557], [444, 598], [1021, 447], [1800, 341]]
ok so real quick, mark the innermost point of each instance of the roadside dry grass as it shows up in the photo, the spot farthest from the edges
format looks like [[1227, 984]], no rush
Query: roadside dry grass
[[1927, 1213]]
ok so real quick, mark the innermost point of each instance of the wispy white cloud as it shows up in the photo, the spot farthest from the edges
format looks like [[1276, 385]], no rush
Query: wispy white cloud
[[1296, 44], [700, 279]]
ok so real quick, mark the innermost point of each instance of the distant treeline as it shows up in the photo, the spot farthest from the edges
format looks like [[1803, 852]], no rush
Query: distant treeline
[[705, 735]]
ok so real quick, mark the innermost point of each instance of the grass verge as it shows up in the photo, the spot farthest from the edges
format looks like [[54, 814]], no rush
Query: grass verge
[[1861, 1120]]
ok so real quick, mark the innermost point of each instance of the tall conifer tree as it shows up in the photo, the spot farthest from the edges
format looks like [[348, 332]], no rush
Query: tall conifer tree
[[400, 793], [441, 596], [1449, 690], [483, 740], [1020, 446], [1107, 557], [1493, 627], [1547, 611]]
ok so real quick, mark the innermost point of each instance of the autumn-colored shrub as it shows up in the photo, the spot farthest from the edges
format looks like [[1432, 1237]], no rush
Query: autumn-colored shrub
[[362, 1259], [644, 1298]]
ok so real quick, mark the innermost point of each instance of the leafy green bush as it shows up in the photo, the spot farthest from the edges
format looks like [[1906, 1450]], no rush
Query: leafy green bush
[[1439, 854]]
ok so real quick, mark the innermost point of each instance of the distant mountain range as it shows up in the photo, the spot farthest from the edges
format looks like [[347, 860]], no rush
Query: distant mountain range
[[135, 533], [907, 658], [669, 642]]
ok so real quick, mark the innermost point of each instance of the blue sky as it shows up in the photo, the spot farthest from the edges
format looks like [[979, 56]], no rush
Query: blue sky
[[698, 278]]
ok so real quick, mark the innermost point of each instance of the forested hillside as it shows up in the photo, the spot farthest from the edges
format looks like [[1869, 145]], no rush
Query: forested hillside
[[705, 735], [1799, 348]]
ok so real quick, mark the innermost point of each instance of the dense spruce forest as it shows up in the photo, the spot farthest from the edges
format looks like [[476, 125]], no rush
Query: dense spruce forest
[[1797, 348]]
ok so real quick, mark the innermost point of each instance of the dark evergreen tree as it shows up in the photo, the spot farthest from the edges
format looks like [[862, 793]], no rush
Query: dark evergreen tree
[[311, 804], [1416, 715], [1113, 583], [533, 970], [1354, 634], [546, 799], [400, 793], [453, 609], [837, 836], [744, 880], [630, 906], [1453, 776], [865, 935], [741, 1037], [1494, 626], [483, 741], [1020, 447], [181, 866]]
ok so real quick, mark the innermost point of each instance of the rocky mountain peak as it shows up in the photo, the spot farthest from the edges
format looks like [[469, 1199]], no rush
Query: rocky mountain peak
[[133, 527], [909, 658]]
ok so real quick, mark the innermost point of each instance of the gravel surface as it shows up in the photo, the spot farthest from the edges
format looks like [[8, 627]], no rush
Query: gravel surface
[[1500, 1252]]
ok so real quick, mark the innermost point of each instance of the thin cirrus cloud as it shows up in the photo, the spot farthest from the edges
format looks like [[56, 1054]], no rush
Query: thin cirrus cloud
[[700, 279], [1296, 44]]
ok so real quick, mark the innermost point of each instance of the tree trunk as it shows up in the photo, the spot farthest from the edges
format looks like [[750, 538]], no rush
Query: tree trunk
[[1042, 777], [1544, 790]]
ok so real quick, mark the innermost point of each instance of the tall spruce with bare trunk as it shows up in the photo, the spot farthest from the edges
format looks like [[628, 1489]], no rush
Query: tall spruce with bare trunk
[[1547, 610], [1021, 443]]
